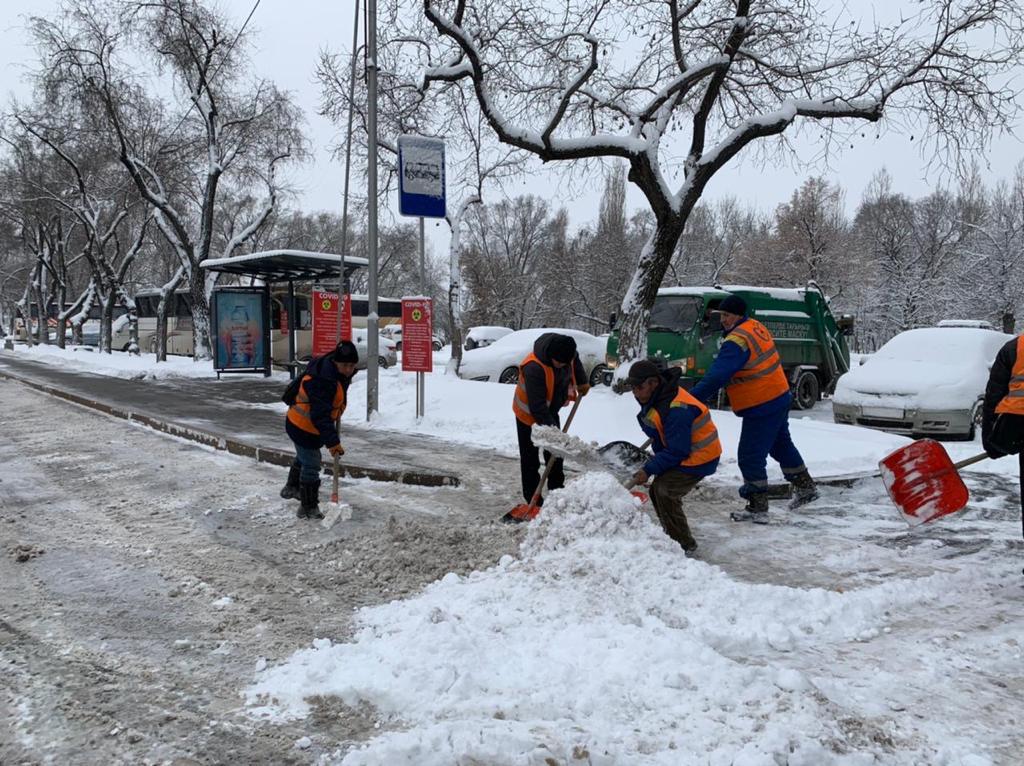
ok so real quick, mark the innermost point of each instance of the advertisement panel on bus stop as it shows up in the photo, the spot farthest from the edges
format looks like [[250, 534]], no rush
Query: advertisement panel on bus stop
[[417, 335], [241, 329], [325, 321]]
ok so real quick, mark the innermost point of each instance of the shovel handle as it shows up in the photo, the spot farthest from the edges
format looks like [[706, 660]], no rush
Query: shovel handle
[[970, 461], [551, 461]]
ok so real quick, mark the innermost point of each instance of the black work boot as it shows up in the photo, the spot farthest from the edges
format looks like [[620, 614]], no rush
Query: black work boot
[[309, 497], [805, 490], [290, 490], [756, 510]]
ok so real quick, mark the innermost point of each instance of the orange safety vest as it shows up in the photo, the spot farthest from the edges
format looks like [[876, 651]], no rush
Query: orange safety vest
[[704, 443], [1013, 402], [521, 403], [762, 378], [298, 413]]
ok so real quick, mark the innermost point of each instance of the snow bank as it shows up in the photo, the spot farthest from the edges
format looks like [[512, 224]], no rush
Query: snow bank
[[601, 642], [120, 364]]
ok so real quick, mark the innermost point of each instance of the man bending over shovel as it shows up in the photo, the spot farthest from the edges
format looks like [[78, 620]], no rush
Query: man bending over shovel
[[321, 399], [685, 443], [548, 378]]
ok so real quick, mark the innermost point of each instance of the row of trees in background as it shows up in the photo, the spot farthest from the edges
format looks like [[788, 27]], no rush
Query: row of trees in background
[[148, 146], [896, 263]]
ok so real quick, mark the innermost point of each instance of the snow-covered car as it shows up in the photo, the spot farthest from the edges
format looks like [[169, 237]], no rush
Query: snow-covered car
[[387, 349], [500, 361], [484, 335], [929, 381]]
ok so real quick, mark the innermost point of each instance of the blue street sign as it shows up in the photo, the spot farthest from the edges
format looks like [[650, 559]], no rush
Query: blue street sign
[[421, 187]]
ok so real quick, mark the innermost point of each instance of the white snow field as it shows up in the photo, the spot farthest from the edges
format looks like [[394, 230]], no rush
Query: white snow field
[[602, 644]]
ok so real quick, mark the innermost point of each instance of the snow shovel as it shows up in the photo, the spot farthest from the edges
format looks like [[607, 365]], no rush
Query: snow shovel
[[339, 510], [923, 481], [529, 511]]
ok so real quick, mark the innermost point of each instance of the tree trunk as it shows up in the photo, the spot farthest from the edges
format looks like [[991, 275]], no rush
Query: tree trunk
[[62, 322], [161, 328], [1009, 322], [106, 322], [201, 347], [655, 258]]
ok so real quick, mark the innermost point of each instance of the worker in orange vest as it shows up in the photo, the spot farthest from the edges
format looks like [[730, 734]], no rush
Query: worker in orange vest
[[1002, 424], [549, 377], [748, 366], [321, 399], [685, 443]]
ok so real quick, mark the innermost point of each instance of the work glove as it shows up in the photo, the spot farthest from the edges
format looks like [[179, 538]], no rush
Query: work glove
[[583, 389], [337, 450], [640, 477], [993, 451]]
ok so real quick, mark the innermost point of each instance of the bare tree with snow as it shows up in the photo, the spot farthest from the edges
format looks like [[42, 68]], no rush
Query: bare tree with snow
[[678, 89], [221, 131]]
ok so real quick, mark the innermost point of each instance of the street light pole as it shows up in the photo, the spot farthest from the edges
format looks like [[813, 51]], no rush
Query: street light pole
[[372, 338]]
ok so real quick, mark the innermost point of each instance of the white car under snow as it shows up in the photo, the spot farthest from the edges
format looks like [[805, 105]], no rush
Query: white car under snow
[[500, 360], [929, 381]]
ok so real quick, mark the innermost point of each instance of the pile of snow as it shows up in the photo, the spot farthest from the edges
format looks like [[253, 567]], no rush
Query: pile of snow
[[602, 644], [119, 364]]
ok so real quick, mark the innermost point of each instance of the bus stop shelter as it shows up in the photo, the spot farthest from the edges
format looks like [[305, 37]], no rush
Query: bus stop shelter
[[289, 266]]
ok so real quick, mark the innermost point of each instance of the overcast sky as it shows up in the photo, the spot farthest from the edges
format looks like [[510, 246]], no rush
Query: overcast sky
[[290, 33]]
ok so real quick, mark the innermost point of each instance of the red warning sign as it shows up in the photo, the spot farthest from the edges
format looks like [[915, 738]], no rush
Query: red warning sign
[[417, 335], [325, 321]]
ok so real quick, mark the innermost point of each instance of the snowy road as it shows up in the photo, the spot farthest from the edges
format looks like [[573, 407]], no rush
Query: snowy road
[[160, 602], [142, 580]]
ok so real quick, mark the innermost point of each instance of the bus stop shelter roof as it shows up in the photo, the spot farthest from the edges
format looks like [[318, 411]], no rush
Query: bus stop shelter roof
[[285, 265]]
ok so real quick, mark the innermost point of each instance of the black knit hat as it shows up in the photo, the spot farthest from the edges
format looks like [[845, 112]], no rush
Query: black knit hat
[[641, 371], [345, 352], [562, 348], [733, 304]]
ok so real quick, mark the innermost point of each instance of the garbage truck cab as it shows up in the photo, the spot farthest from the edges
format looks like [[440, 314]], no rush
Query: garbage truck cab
[[683, 332]]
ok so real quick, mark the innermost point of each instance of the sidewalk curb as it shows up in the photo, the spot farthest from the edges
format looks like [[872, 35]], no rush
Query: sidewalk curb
[[233, 446]]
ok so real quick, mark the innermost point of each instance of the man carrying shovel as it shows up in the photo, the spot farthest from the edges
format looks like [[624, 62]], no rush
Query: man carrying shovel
[[749, 367], [685, 443], [549, 377], [321, 399]]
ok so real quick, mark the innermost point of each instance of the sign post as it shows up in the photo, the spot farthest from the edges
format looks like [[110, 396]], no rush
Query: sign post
[[421, 194], [418, 342]]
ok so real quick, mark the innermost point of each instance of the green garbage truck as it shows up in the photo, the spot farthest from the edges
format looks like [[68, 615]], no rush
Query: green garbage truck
[[685, 333]]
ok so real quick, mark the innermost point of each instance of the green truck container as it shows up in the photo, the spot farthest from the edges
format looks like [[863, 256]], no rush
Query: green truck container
[[685, 333]]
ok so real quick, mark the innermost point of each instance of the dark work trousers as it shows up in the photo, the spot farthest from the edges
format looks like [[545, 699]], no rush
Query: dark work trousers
[[529, 464], [761, 436], [667, 493]]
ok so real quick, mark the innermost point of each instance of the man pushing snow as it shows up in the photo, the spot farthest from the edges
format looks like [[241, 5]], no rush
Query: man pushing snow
[[685, 443]]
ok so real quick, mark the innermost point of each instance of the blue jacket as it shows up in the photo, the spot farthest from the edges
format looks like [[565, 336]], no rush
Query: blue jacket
[[321, 389], [731, 359], [678, 423]]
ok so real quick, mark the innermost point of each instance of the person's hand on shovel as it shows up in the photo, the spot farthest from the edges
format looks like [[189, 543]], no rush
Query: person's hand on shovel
[[639, 478], [337, 450]]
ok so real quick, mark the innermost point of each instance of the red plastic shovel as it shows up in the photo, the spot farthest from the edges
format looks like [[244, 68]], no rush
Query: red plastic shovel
[[923, 481]]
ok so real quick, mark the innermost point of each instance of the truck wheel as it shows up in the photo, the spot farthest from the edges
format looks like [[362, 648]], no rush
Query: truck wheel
[[509, 375], [805, 391], [597, 374]]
